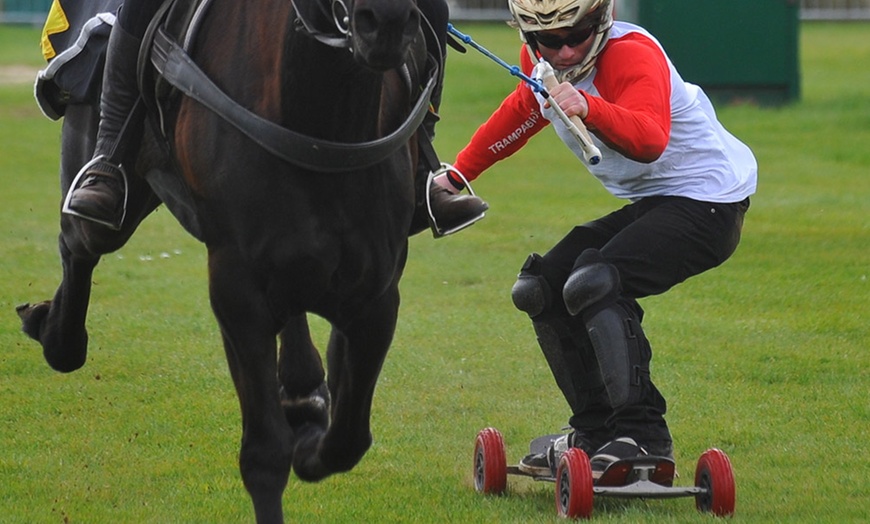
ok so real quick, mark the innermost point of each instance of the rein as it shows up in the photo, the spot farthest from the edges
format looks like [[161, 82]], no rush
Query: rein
[[176, 67]]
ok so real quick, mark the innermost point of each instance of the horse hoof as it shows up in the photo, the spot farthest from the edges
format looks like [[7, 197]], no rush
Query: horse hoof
[[66, 362], [65, 356], [32, 317], [307, 462], [318, 454]]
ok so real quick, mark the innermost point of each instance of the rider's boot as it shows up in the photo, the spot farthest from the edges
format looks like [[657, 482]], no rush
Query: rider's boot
[[99, 193], [439, 204], [450, 211]]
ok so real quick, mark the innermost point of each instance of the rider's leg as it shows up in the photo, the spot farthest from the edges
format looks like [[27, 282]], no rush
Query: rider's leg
[[100, 193], [569, 354], [593, 293], [449, 208], [653, 244]]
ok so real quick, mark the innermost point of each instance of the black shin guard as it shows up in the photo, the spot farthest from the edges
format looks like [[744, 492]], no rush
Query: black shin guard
[[623, 354], [573, 366]]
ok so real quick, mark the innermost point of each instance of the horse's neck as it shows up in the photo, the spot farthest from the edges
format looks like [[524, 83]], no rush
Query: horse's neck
[[304, 85]]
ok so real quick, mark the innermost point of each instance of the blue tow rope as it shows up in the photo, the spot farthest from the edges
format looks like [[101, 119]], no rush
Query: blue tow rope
[[514, 70]]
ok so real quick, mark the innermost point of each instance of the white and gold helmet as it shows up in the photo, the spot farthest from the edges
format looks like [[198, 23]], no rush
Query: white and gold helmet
[[543, 15]]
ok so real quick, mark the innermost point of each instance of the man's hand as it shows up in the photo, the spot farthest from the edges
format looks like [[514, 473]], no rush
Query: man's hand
[[572, 102]]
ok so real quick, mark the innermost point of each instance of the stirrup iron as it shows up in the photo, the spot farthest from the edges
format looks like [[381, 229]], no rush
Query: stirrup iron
[[75, 184], [437, 230]]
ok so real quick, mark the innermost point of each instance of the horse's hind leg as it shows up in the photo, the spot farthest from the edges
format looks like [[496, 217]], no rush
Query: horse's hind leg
[[304, 394], [355, 357], [249, 334]]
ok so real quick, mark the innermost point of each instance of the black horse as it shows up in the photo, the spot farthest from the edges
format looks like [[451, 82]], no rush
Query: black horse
[[317, 226]]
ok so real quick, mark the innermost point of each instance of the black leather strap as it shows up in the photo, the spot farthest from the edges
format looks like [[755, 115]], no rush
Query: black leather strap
[[173, 63]]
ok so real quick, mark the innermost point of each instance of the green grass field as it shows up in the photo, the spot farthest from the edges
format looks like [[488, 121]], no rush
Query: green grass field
[[765, 357]]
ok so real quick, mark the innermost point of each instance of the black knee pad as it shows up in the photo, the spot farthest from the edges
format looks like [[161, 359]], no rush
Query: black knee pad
[[533, 291], [593, 284]]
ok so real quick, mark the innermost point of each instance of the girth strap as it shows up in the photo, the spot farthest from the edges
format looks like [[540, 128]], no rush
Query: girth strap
[[174, 64]]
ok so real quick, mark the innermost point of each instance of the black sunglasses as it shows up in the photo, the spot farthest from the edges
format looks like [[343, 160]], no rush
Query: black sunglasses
[[551, 41]]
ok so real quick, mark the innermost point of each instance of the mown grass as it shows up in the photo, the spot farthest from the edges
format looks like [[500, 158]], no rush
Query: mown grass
[[765, 357]]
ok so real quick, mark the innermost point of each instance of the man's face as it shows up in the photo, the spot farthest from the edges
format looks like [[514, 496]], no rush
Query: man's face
[[565, 47]]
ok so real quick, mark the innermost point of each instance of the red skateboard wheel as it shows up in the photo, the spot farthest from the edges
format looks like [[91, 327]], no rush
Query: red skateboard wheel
[[574, 485], [490, 465], [715, 475]]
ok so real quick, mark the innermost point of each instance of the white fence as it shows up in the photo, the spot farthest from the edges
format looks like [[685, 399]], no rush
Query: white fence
[[24, 11], [810, 9], [835, 9]]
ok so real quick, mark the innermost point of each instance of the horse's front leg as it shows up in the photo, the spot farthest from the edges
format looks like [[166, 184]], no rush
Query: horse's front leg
[[355, 357], [304, 394], [249, 336], [59, 324]]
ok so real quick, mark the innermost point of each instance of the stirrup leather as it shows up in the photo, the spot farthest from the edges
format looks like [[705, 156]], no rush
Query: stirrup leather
[[437, 230], [75, 184]]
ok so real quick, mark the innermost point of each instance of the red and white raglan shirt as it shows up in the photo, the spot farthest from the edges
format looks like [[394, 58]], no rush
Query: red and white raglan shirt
[[658, 135]]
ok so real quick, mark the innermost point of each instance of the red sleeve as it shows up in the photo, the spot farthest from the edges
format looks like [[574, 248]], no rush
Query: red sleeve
[[632, 115], [507, 130]]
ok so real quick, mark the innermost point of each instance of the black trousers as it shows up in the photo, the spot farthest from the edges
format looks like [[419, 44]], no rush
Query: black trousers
[[654, 243]]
